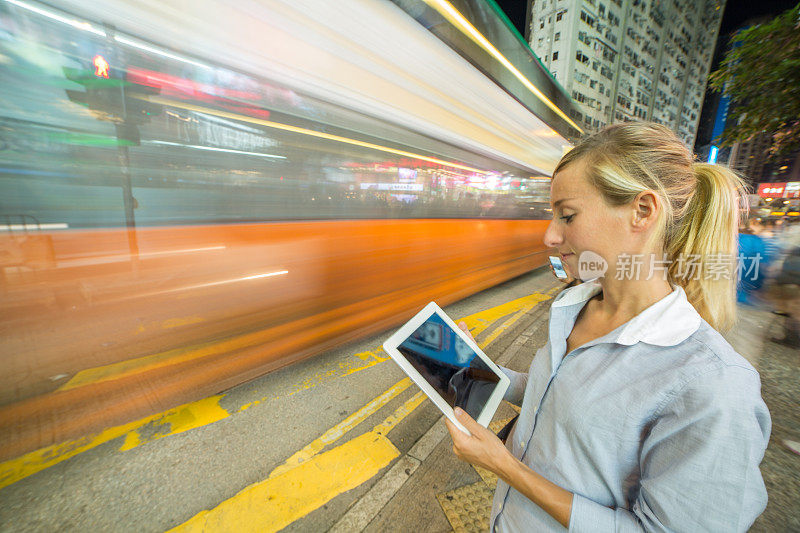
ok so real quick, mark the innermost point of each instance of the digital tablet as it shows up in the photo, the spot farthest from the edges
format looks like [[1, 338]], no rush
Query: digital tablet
[[448, 366]]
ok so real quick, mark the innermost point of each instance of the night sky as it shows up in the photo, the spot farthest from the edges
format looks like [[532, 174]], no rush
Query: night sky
[[736, 12]]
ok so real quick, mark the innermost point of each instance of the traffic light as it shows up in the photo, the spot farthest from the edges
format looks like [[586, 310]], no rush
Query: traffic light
[[112, 97], [102, 94]]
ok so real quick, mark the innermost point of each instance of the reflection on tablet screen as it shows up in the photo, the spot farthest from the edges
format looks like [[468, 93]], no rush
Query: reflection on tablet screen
[[449, 365]]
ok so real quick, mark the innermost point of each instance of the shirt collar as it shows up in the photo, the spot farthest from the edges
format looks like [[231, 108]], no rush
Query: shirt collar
[[667, 322]]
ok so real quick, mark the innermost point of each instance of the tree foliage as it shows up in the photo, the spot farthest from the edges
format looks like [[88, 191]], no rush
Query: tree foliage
[[761, 74]]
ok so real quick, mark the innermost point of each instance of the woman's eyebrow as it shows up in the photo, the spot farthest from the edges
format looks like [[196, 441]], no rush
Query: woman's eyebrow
[[559, 202]]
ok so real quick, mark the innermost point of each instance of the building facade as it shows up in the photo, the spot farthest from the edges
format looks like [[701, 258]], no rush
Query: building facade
[[625, 60]]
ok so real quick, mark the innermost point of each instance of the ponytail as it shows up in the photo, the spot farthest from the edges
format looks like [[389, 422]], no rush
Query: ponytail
[[700, 214], [708, 231]]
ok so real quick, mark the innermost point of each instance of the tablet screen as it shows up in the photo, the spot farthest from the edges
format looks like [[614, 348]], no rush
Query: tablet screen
[[450, 365]]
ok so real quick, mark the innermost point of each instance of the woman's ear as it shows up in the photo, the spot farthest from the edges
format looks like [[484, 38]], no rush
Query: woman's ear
[[645, 210]]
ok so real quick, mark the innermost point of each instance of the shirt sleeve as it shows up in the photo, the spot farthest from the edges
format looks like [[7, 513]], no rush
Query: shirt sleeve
[[699, 462], [516, 390]]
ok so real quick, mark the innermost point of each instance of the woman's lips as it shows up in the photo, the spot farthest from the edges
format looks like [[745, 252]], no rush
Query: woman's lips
[[564, 256]]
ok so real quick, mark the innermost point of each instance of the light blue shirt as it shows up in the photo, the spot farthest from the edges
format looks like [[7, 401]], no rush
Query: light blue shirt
[[656, 426]]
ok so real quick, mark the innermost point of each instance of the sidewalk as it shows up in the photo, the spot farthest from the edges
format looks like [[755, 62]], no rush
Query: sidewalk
[[430, 490], [779, 367]]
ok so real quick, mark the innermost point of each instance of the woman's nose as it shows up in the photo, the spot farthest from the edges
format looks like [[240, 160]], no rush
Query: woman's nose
[[552, 236]]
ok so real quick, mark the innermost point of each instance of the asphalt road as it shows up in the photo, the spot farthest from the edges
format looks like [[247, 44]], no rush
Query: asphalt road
[[309, 440]]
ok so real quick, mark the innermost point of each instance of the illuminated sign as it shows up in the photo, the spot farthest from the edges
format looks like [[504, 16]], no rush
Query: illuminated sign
[[793, 189], [100, 66], [391, 186], [712, 155], [407, 175], [771, 190]]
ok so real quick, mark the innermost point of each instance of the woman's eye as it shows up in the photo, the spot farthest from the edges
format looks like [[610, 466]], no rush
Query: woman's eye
[[567, 218]]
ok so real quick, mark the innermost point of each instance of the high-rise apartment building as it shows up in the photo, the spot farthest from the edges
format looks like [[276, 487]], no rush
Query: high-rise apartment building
[[627, 60]]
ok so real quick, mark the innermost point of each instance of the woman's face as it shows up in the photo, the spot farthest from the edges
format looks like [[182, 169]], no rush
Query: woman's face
[[583, 222]]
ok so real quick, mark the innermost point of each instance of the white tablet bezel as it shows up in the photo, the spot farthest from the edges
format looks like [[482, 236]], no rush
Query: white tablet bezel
[[392, 343]]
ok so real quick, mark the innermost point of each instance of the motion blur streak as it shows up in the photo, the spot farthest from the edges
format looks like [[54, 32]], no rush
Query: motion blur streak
[[215, 283], [457, 19], [305, 131], [345, 279], [85, 26], [190, 201], [209, 148]]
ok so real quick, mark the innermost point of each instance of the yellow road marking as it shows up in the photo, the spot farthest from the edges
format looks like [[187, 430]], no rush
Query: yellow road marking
[[162, 359], [278, 501], [338, 431], [177, 420], [289, 494], [477, 323], [186, 417], [533, 299], [208, 410]]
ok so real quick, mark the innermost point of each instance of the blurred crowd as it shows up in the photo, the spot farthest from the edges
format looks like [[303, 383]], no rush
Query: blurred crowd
[[773, 248]]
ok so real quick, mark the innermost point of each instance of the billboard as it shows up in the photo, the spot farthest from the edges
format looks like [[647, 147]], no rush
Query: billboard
[[771, 190]]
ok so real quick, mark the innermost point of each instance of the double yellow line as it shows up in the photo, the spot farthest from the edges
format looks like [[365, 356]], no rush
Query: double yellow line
[[310, 477]]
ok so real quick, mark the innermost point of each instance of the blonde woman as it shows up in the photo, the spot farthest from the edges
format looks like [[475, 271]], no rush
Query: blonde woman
[[636, 415]]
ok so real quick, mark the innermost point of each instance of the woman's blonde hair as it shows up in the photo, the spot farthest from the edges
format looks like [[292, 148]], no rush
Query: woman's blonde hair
[[701, 204]]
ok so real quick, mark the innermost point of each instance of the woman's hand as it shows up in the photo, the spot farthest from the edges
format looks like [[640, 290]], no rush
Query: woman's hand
[[567, 280], [463, 326], [481, 448]]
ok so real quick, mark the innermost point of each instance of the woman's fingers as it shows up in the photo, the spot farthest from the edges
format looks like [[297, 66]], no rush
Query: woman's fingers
[[481, 448], [465, 329], [466, 420]]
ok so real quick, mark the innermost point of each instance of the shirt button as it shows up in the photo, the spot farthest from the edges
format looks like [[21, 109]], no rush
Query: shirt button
[[522, 444]]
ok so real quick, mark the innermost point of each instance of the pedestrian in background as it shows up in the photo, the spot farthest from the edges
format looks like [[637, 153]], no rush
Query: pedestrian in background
[[754, 260]]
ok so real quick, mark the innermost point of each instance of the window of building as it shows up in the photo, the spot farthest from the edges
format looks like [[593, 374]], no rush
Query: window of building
[[587, 19], [595, 64], [560, 14], [582, 58], [593, 84], [555, 56], [557, 36], [541, 23], [545, 57]]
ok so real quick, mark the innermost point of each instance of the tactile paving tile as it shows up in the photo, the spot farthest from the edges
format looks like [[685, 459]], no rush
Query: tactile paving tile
[[489, 477], [467, 508]]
